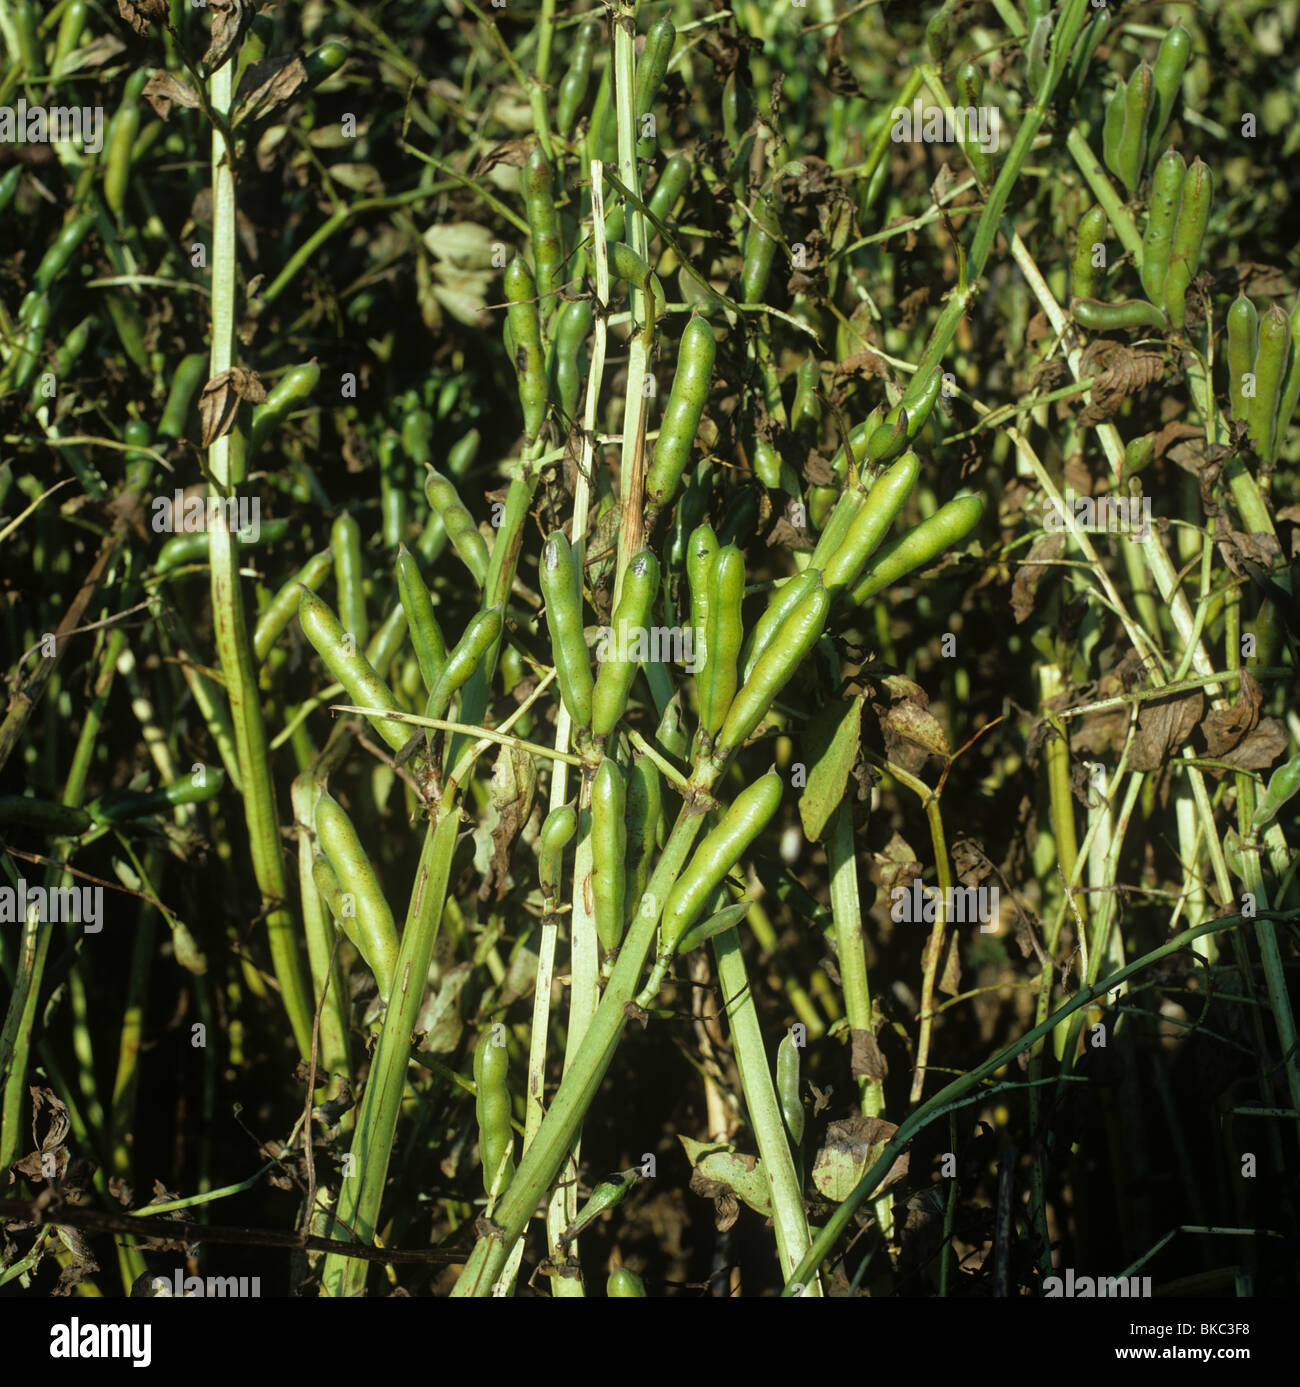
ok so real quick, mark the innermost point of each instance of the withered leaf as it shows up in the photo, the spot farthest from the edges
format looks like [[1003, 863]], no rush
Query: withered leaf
[[971, 861], [1260, 748], [1125, 373], [1225, 727], [949, 979], [898, 864], [230, 21], [785, 534], [93, 54], [1164, 724], [163, 91], [268, 84], [220, 400], [861, 366], [1031, 573], [910, 725], [868, 1058], [141, 15]]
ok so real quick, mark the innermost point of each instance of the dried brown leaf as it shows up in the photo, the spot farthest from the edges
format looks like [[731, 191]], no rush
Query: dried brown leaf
[[1031, 573], [220, 401], [163, 91], [1126, 372], [230, 21], [1261, 748], [1225, 727], [1164, 724], [142, 15], [267, 85]]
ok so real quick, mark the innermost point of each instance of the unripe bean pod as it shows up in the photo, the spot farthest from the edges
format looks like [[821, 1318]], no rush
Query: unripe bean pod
[[345, 541], [631, 621], [716, 856], [886, 498], [279, 612], [949, 525], [1243, 343], [644, 806], [717, 684], [426, 634], [774, 669], [561, 587], [526, 349], [496, 1140], [1162, 212], [349, 666], [609, 853], [682, 413], [464, 659], [376, 933], [472, 548], [1270, 365], [1092, 232]]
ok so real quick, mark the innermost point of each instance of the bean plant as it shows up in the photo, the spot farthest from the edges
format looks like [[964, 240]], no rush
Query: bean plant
[[643, 618]]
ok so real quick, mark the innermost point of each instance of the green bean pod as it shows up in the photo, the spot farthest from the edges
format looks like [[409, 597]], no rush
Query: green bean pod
[[1112, 133], [682, 413], [461, 529], [573, 86], [71, 23], [324, 62], [774, 669], [496, 1140], [122, 132], [1162, 212], [747, 817], [28, 356], [562, 588], [1171, 62], [1194, 204], [392, 490], [1283, 786], [787, 1088], [673, 182], [805, 412], [1291, 389], [607, 1195], [918, 400], [279, 611], [890, 439], [970, 92], [1270, 366], [120, 805], [466, 656], [857, 442], [290, 390], [426, 634], [526, 336], [760, 250], [624, 1283], [886, 498], [572, 328], [349, 577], [1139, 97], [701, 550], [558, 828], [9, 186], [631, 622], [652, 66], [949, 525], [850, 502], [609, 853], [55, 260], [349, 666], [1111, 317], [1243, 343], [1092, 233], [189, 375], [543, 222], [644, 807], [46, 815], [717, 684], [376, 935], [782, 602]]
